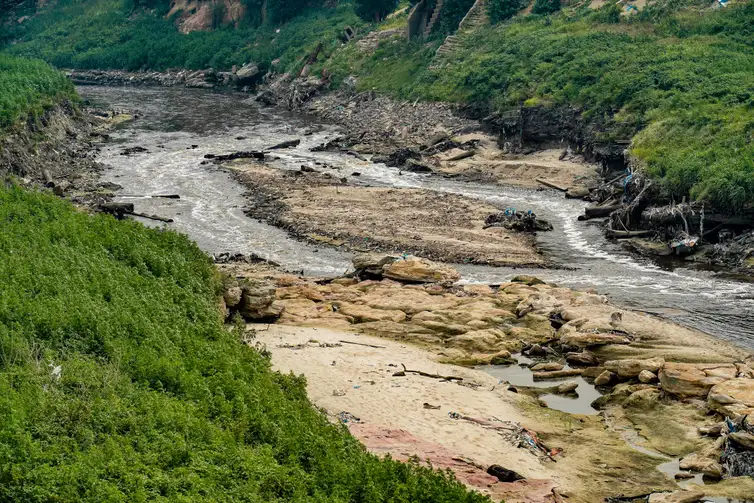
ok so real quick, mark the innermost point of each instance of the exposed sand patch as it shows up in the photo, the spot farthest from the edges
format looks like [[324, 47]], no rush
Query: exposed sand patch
[[595, 461], [443, 227], [490, 163]]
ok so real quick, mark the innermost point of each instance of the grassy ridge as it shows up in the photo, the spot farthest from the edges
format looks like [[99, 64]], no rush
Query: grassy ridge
[[118, 381], [683, 81], [106, 34], [28, 88]]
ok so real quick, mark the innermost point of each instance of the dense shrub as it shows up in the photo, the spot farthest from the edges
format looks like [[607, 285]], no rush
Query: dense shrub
[[545, 6], [502, 10], [28, 88], [101, 34], [453, 13], [375, 10], [119, 383]]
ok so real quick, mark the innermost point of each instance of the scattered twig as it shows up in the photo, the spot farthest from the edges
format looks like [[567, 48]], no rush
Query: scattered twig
[[362, 344], [425, 374]]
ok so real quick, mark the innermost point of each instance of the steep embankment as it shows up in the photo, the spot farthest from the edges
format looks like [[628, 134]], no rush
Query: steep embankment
[[119, 382]]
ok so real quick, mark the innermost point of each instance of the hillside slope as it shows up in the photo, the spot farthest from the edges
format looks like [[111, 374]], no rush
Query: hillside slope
[[673, 83]]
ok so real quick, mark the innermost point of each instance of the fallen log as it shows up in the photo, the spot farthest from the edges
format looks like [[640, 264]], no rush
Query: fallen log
[[117, 207], [163, 196], [402, 373], [551, 185], [628, 234], [152, 217], [461, 156], [285, 144], [253, 154], [600, 211]]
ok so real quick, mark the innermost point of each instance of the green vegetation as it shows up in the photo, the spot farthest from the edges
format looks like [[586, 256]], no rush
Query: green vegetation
[[106, 34], [375, 10], [683, 81], [501, 10], [119, 382], [453, 13], [28, 88]]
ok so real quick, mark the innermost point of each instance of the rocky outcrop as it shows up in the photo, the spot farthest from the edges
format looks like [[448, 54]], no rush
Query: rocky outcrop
[[732, 397], [687, 380], [203, 79], [253, 300], [628, 369], [420, 270]]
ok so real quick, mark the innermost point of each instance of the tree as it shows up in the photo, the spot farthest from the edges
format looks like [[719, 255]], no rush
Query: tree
[[546, 6], [375, 10]]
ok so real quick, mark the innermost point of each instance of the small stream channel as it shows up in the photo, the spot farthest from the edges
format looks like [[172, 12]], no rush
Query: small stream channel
[[210, 209]]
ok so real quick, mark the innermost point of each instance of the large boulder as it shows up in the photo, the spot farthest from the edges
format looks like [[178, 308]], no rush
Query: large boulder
[[733, 397], [681, 496], [701, 464], [248, 75], [628, 369], [694, 379], [257, 301], [420, 270], [372, 263]]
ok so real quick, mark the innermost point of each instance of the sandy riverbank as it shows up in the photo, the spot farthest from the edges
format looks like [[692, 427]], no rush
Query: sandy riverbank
[[641, 424], [444, 227]]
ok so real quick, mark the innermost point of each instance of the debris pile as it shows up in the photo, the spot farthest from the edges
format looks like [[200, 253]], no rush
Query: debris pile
[[521, 222]]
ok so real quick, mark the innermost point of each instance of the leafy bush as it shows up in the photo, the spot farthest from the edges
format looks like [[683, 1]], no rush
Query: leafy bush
[[545, 6], [28, 88], [502, 10], [375, 10], [453, 13], [119, 383]]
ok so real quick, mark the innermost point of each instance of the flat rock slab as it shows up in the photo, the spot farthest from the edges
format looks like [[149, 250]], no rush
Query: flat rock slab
[[694, 379]]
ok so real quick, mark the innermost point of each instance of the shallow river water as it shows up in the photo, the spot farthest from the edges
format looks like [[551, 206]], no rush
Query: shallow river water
[[179, 126]]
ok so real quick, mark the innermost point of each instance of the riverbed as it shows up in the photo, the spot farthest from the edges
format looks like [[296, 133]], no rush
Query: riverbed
[[179, 126]]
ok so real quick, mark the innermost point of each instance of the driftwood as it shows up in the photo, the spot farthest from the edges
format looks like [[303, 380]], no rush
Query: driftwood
[[285, 144], [162, 196], [152, 217], [600, 211], [629, 234], [551, 185], [117, 207], [236, 155], [462, 155], [362, 344], [405, 371]]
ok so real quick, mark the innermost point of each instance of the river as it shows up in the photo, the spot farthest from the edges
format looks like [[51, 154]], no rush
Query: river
[[179, 126]]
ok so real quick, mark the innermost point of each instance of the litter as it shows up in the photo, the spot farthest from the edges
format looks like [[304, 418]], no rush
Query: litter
[[347, 417], [515, 434]]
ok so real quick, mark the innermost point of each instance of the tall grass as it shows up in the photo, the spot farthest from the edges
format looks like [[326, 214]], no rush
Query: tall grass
[[119, 383], [28, 88]]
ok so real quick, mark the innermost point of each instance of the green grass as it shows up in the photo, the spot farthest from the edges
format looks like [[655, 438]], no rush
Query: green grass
[[28, 88], [155, 400], [107, 34], [683, 81]]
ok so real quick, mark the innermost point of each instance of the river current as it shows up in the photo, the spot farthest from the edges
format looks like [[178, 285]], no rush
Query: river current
[[179, 126]]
